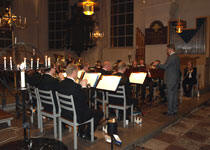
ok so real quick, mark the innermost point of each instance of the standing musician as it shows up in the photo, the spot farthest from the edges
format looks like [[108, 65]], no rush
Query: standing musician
[[189, 80]]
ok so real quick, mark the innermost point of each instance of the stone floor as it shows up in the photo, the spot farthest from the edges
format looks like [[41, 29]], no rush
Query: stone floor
[[191, 131]]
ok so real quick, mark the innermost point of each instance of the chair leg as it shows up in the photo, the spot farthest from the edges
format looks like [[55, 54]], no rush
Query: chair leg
[[117, 113], [92, 130], [95, 104], [41, 124], [132, 113], [124, 118], [75, 137], [55, 127], [103, 105], [60, 129], [107, 111], [32, 117], [38, 119]]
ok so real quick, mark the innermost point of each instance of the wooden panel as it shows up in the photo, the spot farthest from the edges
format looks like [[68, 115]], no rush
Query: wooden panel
[[140, 45]]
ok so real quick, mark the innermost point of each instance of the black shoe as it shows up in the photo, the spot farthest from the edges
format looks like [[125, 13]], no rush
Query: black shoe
[[168, 114]]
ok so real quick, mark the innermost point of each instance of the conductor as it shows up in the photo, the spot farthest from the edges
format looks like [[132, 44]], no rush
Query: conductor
[[172, 78]]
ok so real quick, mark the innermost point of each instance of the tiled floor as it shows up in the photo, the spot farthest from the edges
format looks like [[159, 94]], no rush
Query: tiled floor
[[191, 132]]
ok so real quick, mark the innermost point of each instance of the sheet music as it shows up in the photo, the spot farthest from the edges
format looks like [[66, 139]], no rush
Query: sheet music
[[109, 83], [137, 77], [92, 78]]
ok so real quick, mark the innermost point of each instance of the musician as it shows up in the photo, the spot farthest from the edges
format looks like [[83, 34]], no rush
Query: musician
[[189, 80], [98, 66], [69, 87], [147, 82], [115, 66], [159, 75], [134, 67], [34, 78], [85, 67], [49, 82], [128, 89], [107, 68]]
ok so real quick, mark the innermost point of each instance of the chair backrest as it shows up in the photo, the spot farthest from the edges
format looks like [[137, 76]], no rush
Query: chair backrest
[[66, 102], [46, 97], [120, 93], [32, 91]]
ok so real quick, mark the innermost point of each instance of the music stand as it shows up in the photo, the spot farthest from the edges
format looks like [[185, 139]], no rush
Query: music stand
[[137, 77], [91, 78], [108, 82]]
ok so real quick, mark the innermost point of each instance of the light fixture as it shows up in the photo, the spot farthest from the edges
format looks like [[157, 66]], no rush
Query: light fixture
[[179, 26], [9, 19], [96, 33], [88, 7]]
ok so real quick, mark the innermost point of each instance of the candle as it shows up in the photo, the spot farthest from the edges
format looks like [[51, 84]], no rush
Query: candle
[[34, 51], [10, 62], [46, 61], [18, 67], [22, 75], [5, 63], [31, 63], [49, 62], [25, 20], [37, 63], [15, 40], [24, 62]]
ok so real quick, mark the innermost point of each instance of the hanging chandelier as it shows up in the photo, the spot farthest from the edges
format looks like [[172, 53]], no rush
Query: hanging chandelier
[[96, 34], [88, 7], [11, 20], [179, 26]]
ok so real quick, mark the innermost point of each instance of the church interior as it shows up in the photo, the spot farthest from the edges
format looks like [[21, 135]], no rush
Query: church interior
[[119, 36]]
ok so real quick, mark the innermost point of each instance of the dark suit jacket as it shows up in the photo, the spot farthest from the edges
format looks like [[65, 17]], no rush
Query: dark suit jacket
[[104, 72], [172, 70], [69, 87], [193, 74], [49, 83], [35, 79]]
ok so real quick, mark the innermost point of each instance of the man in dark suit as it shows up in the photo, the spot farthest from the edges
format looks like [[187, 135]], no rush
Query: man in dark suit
[[172, 72], [69, 87], [48, 82], [107, 68], [190, 78]]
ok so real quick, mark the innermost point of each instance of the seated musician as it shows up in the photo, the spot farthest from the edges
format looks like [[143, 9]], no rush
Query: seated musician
[[157, 78], [69, 87], [147, 82], [134, 67], [49, 82], [115, 66], [107, 68], [128, 89], [190, 79], [85, 67], [98, 66]]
